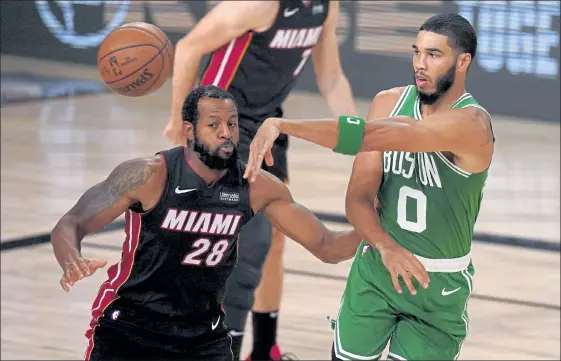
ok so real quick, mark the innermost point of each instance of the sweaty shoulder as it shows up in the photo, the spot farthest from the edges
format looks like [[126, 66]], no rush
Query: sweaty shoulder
[[384, 102]]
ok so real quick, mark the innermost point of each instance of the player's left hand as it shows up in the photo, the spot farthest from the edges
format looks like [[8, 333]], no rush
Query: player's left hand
[[76, 268], [260, 147], [402, 263]]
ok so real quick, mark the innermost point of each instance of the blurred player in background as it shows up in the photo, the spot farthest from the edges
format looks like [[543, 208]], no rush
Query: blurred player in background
[[425, 154], [258, 49]]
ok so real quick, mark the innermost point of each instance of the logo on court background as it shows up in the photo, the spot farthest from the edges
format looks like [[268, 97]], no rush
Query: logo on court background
[[64, 29]]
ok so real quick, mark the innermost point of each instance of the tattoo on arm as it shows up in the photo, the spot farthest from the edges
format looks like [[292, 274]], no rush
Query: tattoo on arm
[[125, 178]]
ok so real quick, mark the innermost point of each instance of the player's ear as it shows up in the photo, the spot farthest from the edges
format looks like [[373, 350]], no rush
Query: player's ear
[[188, 131], [464, 60]]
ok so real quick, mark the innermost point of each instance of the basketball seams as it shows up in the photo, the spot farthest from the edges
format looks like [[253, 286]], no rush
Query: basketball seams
[[139, 68], [126, 47], [160, 43], [165, 45], [159, 73]]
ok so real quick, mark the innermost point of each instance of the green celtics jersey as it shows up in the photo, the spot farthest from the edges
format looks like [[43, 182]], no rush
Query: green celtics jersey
[[428, 204]]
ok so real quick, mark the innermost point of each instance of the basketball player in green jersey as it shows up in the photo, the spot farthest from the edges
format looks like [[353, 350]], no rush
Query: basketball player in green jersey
[[425, 151]]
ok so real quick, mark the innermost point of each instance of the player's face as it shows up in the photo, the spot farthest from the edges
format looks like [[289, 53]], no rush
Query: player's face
[[434, 64], [216, 133]]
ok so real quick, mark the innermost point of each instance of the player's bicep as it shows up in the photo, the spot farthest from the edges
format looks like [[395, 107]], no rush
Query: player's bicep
[[366, 176], [107, 200], [225, 22], [461, 131]]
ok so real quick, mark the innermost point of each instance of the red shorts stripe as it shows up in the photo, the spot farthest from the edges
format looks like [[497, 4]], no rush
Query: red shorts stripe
[[225, 62], [117, 275]]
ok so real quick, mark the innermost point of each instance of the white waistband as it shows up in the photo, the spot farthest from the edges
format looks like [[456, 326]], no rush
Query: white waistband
[[448, 265]]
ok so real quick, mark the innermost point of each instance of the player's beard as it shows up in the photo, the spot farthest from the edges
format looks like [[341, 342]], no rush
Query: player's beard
[[443, 84], [212, 159]]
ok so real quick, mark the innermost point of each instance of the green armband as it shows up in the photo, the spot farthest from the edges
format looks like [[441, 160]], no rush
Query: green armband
[[351, 131]]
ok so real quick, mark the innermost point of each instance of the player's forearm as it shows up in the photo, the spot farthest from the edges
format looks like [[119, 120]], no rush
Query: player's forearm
[[366, 221], [66, 237], [301, 225], [338, 95], [339, 246], [396, 133], [323, 132], [185, 66]]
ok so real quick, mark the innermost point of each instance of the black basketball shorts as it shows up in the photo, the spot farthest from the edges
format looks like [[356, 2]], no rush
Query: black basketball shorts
[[133, 337]]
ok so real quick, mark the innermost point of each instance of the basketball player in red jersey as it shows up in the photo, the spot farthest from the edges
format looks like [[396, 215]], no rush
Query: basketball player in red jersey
[[258, 49]]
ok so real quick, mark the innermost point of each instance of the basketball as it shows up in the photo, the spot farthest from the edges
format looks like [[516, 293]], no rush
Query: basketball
[[135, 59]]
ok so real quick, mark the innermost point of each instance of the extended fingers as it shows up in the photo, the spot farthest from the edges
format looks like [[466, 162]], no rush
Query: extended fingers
[[419, 272], [407, 279], [64, 283], [73, 271], [94, 265], [254, 160], [395, 281]]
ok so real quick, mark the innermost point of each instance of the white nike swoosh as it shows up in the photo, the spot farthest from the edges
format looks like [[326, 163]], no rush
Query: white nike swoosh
[[216, 325], [180, 191], [446, 293], [288, 13]]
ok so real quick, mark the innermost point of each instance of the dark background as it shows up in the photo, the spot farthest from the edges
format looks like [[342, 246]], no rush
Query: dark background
[[516, 71]]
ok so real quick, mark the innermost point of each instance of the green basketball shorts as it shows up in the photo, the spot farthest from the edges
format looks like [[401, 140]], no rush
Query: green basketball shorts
[[432, 325]]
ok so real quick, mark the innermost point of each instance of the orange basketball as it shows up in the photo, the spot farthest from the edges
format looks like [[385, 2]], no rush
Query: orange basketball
[[135, 59]]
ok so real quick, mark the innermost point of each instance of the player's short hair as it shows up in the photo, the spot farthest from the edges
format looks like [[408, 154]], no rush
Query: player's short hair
[[461, 34], [190, 109]]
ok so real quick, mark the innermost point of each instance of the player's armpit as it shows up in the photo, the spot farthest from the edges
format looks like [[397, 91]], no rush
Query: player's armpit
[[272, 197]]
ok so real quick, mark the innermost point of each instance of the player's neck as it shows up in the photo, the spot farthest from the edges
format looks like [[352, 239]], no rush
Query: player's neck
[[207, 174], [451, 96]]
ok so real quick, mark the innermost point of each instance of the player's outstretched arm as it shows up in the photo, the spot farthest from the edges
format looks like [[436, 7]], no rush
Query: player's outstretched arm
[[132, 181], [224, 23], [465, 132], [271, 196]]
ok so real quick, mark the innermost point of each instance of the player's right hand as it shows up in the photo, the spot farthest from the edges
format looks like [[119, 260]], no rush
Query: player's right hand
[[174, 131], [401, 262], [76, 268], [260, 148]]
